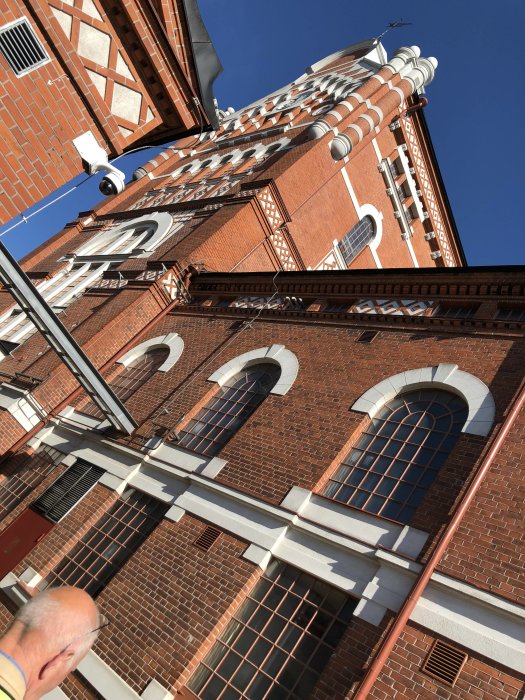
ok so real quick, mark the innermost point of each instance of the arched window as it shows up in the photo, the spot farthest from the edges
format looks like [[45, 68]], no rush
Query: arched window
[[227, 410], [357, 238], [398, 456], [132, 378]]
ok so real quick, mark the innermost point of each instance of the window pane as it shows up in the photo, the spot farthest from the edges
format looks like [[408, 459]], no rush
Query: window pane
[[407, 441], [229, 408], [276, 667]]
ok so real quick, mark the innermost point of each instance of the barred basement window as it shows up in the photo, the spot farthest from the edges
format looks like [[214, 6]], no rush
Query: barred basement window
[[444, 662], [399, 455], [67, 490], [279, 642], [110, 543], [357, 238], [229, 408], [21, 47], [23, 477]]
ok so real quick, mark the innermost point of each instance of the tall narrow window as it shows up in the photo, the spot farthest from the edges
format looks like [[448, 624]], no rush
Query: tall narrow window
[[278, 643], [357, 238], [132, 378], [109, 544], [22, 479], [224, 414], [398, 456]]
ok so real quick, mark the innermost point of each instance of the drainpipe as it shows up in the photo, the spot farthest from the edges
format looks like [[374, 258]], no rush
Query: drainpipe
[[131, 343], [420, 584]]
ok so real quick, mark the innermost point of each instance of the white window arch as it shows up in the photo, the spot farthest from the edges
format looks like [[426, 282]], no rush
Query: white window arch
[[172, 341], [481, 407], [277, 354], [142, 233]]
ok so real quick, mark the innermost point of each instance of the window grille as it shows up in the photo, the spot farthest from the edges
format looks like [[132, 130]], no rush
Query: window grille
[[228, 409], [367, 336], [67, 490], [109, 544], [21, 47], [444, 662], [357, 238], [131, 378], [280, 640], [22, 478], [397, 457]]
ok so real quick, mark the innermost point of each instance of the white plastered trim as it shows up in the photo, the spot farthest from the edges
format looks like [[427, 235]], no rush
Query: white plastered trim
[[172, 341], [277, 354], [481, 407], [377, 216]]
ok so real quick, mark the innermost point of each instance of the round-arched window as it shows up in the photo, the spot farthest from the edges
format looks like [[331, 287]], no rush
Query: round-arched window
[[399, 454], [357, 238]]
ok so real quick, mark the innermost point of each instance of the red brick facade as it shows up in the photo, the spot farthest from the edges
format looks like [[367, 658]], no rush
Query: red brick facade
[[113, 70], [233, 259]]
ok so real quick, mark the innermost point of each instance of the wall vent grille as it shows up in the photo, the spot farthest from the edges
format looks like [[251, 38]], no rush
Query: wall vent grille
[[21, 47], [67, 490], [444, 662], [208, 538]]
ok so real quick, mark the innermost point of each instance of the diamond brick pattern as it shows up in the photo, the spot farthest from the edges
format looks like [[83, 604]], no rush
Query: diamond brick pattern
[[391, 307], [106, 62], [426, 186]]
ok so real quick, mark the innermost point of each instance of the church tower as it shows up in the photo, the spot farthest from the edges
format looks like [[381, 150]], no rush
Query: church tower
[[316, 498]]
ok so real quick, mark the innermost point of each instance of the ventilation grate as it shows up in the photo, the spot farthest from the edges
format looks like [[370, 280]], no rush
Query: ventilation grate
[[21, 47], [208, 538], [444, 662], [67, 490]]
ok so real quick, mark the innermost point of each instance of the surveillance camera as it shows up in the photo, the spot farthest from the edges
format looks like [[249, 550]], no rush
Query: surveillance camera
[[95, 160], [112, 183]]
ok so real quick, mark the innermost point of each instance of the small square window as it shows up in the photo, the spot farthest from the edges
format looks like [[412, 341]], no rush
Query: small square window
[[21, 47]]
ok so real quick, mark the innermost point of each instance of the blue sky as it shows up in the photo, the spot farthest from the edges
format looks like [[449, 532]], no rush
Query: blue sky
[[475, 101]]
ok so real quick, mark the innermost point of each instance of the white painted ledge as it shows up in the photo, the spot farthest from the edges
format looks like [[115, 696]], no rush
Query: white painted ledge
[[480, 621]]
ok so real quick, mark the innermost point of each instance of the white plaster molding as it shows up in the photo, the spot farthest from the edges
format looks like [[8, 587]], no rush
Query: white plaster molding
[[276, 354], [22, 405], [481, 407], [155, 691], [485, 623], [172, 341]]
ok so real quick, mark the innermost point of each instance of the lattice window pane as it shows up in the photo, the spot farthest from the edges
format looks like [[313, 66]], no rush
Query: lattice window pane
[[22, 478], [109, 544], [279, 641], [131, 378], [224, 414], [398, 456], [357, 238], [21, 47]]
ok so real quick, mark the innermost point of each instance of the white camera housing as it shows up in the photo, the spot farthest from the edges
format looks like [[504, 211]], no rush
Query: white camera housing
[[95, 160]]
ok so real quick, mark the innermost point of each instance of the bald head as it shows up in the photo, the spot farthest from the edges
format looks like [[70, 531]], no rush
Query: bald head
[[66, 611], [50, 635]]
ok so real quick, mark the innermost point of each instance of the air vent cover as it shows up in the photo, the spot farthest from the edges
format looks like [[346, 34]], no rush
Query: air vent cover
[[208, 538], [444, 662], [67, 490], [21, 47]]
